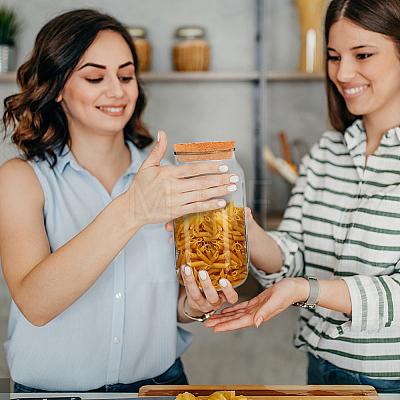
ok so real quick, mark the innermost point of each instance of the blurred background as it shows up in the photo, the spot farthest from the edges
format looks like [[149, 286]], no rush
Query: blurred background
[[251, 89]]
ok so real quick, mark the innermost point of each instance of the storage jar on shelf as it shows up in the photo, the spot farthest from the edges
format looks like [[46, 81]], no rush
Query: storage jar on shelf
[[311, 18], [192, 51], [142, 46], [216, 240]]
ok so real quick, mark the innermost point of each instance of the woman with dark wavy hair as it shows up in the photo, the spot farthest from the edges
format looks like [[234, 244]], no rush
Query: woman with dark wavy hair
[[83, 246], [336, 253], [39, 122]]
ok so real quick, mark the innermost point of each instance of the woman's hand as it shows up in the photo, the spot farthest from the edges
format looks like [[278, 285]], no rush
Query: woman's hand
[[161, 193], [199, 303], [262, 308]]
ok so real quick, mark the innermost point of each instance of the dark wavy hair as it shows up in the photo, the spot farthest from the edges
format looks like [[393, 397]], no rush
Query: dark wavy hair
[[38, 121], [381, 16]]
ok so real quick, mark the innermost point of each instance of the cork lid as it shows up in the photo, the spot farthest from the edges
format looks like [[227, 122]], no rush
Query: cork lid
[[204, 151]]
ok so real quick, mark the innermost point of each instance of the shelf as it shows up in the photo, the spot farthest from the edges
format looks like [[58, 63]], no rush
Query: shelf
[[212, 76], [206, 76], [8, 77], [272, 76], [294, 76]]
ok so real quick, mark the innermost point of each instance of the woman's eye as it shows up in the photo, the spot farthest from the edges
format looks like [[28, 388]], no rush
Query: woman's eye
[[94, 80], [125, 79], [363, 56], [333, 58]]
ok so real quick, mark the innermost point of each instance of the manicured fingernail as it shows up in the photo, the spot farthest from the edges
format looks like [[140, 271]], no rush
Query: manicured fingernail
[[234, 179], [221, 203], [223, 282], [259, 321], [232, 188], [158, 136], [223, 168], [188, 271], [203, 275]]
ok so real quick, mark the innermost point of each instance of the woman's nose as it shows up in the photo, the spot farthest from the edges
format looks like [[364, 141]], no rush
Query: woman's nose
[[346, 70], [114, 88]]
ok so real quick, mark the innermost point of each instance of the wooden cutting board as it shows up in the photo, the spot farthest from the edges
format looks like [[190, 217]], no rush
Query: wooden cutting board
[[268, 392]]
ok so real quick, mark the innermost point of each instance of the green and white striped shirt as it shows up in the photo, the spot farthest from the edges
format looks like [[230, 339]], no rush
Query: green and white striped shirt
[[343, 221]]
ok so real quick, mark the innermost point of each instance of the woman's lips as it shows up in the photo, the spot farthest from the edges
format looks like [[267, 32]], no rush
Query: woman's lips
[[112, 110], [354, 91]]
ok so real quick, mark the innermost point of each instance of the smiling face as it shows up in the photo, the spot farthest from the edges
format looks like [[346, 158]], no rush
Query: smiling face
[[365, 68], [100, 95]]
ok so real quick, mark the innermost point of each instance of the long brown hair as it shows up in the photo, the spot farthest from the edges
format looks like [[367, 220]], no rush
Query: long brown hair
[[381, 16], [40, 126]]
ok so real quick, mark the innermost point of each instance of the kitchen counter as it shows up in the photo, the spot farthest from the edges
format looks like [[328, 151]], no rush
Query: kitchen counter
[[111, 396], [202, 392]]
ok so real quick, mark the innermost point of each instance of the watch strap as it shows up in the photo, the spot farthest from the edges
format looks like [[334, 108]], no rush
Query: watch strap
[[311, 302]]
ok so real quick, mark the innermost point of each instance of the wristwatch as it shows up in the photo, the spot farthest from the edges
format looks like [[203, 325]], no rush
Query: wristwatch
[[311, 302]]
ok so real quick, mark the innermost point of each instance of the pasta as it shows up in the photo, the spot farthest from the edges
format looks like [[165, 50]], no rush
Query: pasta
[[214, 241], [220, 395]]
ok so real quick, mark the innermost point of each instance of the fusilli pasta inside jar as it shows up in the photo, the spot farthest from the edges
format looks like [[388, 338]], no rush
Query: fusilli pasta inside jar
[[216, 240]]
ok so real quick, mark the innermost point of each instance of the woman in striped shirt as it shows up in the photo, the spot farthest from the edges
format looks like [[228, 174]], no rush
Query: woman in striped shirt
[[342, 223]]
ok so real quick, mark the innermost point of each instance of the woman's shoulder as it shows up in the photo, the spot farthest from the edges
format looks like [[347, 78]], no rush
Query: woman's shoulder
[[15, 167], [330, 145], [333, 137], [17, 178], [330, 141]]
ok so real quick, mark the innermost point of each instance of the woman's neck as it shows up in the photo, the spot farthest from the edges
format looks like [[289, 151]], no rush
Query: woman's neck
[[375, 128], [106, 158]]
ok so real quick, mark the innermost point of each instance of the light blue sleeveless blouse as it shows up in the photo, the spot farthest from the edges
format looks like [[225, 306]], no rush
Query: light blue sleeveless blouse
[[124, 328]]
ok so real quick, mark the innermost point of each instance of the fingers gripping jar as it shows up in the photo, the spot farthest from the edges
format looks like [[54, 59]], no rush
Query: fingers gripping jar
[[216, 240]]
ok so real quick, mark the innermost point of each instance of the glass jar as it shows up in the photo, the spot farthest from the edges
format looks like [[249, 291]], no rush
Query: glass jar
[[311, 17], [142, 46], [216, 240], [192, 51]]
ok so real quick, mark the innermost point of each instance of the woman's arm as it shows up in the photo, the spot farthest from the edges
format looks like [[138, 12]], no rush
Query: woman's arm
[[279, 254], [44, 284], [285, 287], [265, 254], [333, 294]]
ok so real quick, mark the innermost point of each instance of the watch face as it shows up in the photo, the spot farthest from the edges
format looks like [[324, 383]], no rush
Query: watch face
[[303, 304]]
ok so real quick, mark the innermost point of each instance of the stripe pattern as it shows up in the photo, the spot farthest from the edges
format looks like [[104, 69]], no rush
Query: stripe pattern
[[343, 222]]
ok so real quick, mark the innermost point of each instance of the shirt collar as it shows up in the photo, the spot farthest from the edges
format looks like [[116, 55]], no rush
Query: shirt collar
[[355, 135], [392, 135], [65, 157]]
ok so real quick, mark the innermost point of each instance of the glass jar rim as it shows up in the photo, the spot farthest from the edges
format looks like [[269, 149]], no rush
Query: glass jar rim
[[205, 155], [190, 32], [204, 151]]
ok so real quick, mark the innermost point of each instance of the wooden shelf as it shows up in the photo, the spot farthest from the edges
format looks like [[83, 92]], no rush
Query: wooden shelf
[[294, 76], [272, 76], [212, 76], [206, 76]]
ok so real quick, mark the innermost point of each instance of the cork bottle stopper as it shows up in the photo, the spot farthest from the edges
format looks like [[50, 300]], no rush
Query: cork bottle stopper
[[204, 151]]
